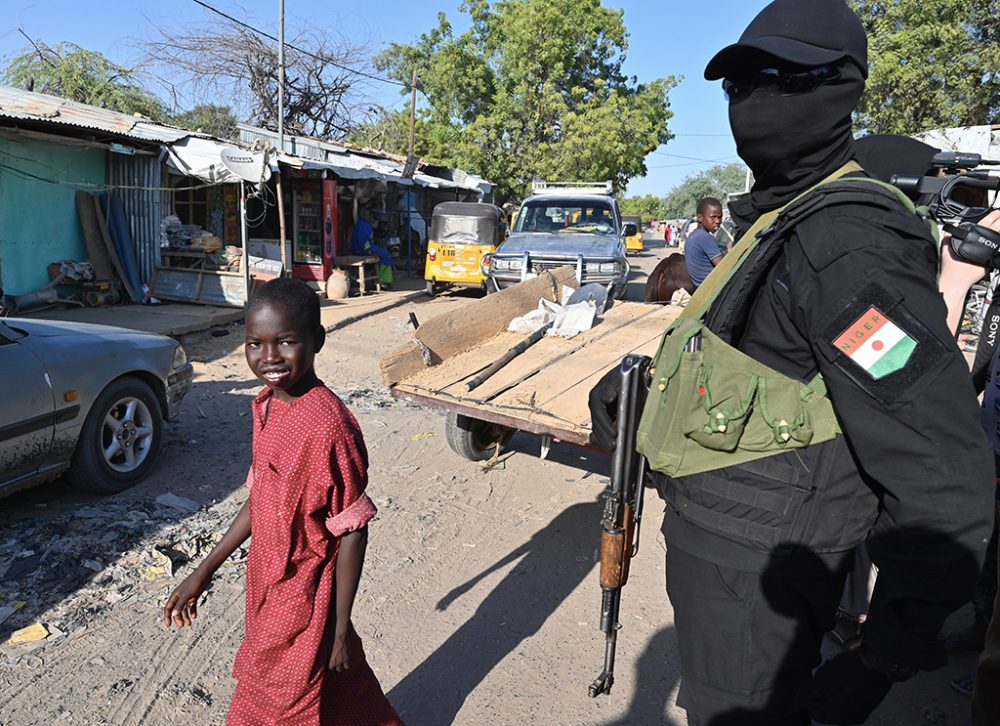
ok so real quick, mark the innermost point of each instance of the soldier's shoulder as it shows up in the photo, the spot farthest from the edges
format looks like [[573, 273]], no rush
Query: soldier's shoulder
[[836, 230]]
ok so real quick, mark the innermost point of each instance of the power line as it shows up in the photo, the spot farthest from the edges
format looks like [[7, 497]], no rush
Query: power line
[[324, 59], [678, 156], [693, 163]]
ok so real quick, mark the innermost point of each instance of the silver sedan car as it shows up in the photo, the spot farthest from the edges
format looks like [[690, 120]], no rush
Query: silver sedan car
[[86, 400]]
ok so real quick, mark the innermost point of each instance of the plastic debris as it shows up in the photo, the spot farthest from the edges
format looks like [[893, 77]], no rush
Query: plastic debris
[[68, 570], [423, 435], [30, 634], [7, 610], [92, 513], [182, 503]]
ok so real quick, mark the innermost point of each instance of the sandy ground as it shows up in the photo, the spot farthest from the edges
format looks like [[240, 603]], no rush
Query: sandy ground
[[479, 602]]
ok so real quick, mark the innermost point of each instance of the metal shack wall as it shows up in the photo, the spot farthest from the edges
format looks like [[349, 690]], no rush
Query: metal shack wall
[[139, 181], [38, 219]]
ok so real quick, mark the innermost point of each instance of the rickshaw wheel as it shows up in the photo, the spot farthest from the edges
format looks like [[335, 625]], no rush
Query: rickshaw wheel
[[429, 288], [473, 439]]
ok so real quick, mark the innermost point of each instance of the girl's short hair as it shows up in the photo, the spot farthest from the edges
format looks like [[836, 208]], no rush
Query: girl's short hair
[[295, 296]]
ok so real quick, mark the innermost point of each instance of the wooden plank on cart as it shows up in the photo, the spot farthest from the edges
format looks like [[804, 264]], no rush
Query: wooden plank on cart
[[451, 375], [546, 389], [448, 335]]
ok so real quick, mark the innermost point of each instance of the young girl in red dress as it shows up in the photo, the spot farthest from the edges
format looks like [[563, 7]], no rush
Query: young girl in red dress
[[301, 662]]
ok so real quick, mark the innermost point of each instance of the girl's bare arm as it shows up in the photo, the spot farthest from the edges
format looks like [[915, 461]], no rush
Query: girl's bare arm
[[350, 561], [182, 605]]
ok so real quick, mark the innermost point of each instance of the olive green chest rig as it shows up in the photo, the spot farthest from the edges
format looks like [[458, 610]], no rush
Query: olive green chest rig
[[710, 406]]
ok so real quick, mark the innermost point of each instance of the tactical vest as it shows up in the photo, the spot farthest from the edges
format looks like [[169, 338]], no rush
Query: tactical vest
[[710, 406]]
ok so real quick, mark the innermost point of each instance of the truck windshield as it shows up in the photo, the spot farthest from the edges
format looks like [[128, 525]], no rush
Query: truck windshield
[[569, 216]]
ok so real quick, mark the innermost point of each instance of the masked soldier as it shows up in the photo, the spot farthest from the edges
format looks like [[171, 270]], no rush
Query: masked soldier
[[810, 398]]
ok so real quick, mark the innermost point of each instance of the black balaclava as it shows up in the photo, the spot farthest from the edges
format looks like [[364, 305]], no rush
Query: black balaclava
[[793, 142]]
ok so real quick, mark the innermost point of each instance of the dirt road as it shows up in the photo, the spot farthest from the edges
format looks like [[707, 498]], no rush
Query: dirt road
[[479, 603]]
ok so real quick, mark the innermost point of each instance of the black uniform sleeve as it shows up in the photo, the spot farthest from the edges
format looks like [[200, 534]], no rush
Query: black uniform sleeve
[[865, 295]]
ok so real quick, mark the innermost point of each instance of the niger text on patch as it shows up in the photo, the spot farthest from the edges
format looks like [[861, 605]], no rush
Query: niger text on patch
[[876, 344]]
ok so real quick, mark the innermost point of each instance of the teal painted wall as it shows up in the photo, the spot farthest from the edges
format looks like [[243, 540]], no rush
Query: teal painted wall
[[38, 222]]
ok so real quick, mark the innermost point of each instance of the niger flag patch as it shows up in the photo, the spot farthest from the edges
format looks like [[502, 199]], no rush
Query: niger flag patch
[[876, 344]]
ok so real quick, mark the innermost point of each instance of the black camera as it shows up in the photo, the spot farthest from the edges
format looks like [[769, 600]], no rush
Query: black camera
[[948, 199]]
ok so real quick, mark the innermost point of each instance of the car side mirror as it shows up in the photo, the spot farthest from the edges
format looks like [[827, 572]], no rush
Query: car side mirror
[[629, 229]]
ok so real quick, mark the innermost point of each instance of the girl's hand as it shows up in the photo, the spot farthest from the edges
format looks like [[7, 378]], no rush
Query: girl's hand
[[182, 605], [340, 657]]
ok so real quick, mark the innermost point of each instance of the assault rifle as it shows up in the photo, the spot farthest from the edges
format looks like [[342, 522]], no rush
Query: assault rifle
[[622, 512]]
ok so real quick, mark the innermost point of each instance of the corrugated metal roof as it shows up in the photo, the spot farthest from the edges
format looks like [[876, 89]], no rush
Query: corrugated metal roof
[[17, 103], [351, 162]]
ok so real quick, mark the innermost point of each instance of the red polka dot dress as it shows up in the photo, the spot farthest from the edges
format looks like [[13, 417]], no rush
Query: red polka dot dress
[[307, 489]]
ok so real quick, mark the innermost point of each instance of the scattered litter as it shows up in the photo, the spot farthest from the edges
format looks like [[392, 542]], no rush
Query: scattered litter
[[92, 513], [26, 563], [423, 435], [30, 634], [67, 571], [7, 610], [163, 562], [182, 503]]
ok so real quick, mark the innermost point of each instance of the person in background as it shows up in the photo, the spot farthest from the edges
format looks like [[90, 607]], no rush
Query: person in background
[[701, 250], [363, 244], [668, 234]]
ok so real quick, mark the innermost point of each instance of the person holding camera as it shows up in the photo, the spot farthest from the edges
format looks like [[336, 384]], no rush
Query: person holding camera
[[810, 398]]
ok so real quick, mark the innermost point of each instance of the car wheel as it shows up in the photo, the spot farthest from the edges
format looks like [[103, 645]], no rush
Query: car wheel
[[473, 439], [120, 438], [429, 288]]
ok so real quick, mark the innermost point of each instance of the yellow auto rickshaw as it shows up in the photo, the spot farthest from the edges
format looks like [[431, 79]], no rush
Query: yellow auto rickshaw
[[633, 243], [463, 237]]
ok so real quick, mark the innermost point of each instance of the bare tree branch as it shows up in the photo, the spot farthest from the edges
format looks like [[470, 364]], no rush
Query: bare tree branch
[[231, 64]]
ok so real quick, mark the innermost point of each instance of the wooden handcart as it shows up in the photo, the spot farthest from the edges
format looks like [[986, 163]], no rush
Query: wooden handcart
[[543, 391]]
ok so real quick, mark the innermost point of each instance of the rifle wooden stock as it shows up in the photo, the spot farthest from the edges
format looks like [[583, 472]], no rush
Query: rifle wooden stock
[[616, 552]]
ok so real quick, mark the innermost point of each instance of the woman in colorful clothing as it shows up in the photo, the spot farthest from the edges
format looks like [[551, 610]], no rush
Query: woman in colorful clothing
[[301, 662]]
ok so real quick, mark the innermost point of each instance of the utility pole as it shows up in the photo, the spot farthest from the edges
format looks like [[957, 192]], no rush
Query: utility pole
[[413, 107], [411, 164], [281, 134]]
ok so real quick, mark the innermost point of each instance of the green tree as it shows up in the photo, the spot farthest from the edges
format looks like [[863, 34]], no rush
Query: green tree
[[72, 72], [932, 64], [211, 119], [719, 181], [534, 89], [649, 207]]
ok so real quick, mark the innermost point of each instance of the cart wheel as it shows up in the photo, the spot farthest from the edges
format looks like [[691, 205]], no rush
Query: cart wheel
[[473, 439], [429, 288]]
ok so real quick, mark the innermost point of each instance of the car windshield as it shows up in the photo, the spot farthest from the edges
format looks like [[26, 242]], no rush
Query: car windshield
[[570, 216]]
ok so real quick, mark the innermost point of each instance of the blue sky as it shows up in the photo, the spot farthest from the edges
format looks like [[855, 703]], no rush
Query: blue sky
[[666, 38]]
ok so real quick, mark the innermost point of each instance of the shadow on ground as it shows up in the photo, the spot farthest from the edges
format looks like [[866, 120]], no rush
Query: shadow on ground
[[542, 577]]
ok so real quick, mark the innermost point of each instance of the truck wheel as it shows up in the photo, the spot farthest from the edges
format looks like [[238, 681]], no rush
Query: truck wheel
[[429, 288], [473, 439], [120, 438]]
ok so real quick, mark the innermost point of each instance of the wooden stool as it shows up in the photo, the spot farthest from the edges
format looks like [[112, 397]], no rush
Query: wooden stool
[[361, 270]]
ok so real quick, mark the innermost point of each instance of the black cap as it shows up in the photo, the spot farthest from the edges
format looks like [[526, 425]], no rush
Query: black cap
[[804, 32]]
